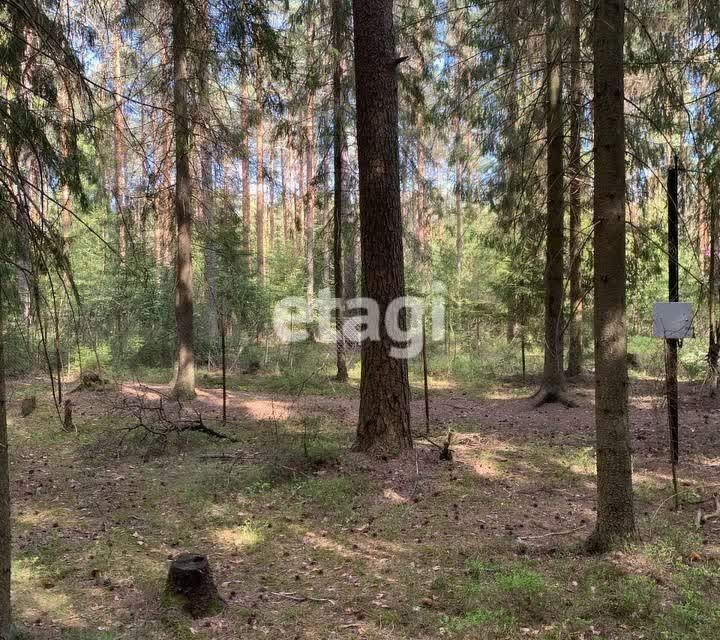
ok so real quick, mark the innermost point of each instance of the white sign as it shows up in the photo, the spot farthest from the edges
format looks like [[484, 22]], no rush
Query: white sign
[[673, 320]]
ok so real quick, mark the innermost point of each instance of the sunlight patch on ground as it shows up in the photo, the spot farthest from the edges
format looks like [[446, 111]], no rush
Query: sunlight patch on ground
[[481, 466], [39, 518], [393, 496], [35, 595], [372, 550], [245, 536], [441, 384]]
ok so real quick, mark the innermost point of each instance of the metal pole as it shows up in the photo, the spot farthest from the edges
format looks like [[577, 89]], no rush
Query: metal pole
[[425, 379], [671, 360]]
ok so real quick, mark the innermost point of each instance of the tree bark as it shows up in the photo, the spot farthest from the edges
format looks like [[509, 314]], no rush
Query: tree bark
[[185, 379], [300, 209], [5, 529], [553, 383], [271, 197], [575, 349], [384, 420], [458, 196], [283, 196], [310, 203], [615, 513], [350, 228], [260, 195], [206, 181], [338, 33], [118, 143], [325, 220], [421, 198], [245, 170], [712, 266], [65, 204], [163, 231]]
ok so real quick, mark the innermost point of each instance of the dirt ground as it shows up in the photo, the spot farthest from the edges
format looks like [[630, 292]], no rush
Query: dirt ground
[[307, 539]]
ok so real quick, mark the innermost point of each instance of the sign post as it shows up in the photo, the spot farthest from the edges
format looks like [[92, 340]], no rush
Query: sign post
[[671, 352]]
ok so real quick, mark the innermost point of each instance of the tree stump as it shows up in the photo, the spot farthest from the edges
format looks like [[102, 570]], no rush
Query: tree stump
[[190, 581], [68, 424], [27, 406]]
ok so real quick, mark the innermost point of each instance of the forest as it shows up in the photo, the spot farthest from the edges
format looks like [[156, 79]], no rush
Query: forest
[[332, 319]]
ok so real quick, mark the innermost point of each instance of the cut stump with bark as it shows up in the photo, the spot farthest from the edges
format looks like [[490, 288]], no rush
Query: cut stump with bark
[[190, 582]]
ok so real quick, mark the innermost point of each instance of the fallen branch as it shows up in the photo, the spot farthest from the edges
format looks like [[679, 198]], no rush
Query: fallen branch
[[552, 533], [300, 598], [703, 517]]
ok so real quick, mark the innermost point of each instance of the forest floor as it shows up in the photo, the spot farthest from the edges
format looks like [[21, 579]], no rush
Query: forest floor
[[307, 539]]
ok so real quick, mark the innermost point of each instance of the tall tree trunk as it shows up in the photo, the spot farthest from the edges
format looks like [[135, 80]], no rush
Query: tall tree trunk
[[712, 261], [206, 180], [300, 212], [185, 380], [553, 376], [575, 350], [118, 143], [310, 203], [65, 204], [271, 198], [349, 224], [615, 513], [283, 196], [325, 244], [5, 528], [421, 198], [384, 420], [245, 170], [163, 230], [459, 152], [260, 195], [27, 189], [338, 35]]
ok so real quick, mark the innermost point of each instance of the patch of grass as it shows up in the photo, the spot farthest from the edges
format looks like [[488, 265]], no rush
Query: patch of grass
[[336, 496], [515, 589], [693, 618], [492, 621], [671, 546], [90, 635]]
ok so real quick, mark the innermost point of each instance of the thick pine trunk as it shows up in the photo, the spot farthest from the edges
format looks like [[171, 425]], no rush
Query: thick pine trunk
[[553, 376], [206, 181], [575, 347], [615, 514], [338, 31], [5, 538], [185, 379], [384, 421]]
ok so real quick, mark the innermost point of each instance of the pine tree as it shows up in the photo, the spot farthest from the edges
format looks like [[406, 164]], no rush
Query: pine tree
[[184, 386], [384, 423], [615, 513]]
